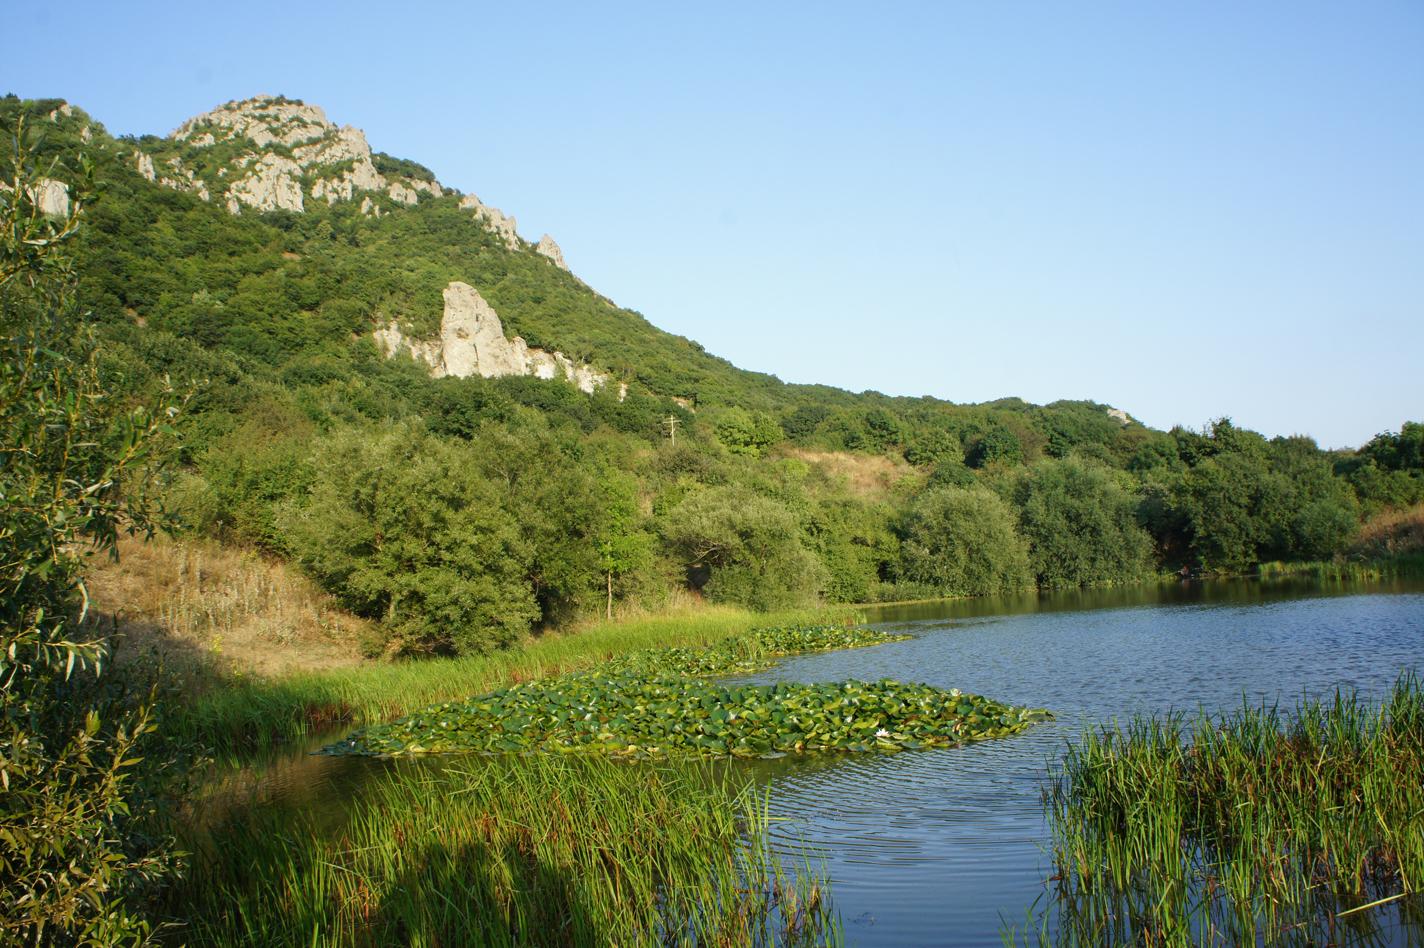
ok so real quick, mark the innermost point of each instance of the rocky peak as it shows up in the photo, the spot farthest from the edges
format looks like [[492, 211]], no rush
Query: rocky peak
[[286, 151], [548, 248]]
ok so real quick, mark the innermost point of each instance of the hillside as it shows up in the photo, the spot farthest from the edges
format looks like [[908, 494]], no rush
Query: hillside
[[383, 382]]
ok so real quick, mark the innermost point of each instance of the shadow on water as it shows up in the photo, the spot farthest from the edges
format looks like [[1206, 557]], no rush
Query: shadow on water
[[948, 847]]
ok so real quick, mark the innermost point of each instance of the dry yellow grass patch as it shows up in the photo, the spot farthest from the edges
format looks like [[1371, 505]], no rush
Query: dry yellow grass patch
[[1392, 533], [868, 475], [197, 604]]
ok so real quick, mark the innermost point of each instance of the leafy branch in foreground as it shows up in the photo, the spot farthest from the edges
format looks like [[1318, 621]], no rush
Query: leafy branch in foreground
[[72, 471]]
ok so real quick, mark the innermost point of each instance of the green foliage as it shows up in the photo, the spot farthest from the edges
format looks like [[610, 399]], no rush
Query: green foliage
[[73, 465], [962, 542], [744, 432], [742, 548], [1081, 526], [402, 528]]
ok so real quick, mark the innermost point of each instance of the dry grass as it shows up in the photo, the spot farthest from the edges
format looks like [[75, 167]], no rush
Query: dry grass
[[1392, 533], [867, 475], [197, 604]]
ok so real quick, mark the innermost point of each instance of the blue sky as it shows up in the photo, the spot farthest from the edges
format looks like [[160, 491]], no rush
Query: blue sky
[[1187, 210]]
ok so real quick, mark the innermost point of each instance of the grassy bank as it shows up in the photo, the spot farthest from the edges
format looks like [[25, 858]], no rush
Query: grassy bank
[[248, 714], [535, 850], [1404, 566], [1261, 826]]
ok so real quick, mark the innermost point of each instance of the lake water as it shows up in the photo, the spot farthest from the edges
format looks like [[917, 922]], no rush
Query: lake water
[[945, 847]]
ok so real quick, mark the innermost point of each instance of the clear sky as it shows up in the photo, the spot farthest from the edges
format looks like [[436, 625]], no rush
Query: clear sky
[[1187, 210]]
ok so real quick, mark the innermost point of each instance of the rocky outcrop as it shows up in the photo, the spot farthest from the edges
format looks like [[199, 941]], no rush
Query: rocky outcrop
[[1120, 416], [472, 342], [49, 196], [548, 248], [274, 183], [494, 219], [144, 164], [287, 146], [183, 179]]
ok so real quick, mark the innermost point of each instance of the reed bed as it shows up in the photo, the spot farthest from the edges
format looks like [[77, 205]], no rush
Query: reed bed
[[535, 850], [246, 716], [1402, 566], [1259, 827]]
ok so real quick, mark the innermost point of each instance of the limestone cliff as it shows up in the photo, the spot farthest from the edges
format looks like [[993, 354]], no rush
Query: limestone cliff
[[472, 342], [548, 248], [284, 153]]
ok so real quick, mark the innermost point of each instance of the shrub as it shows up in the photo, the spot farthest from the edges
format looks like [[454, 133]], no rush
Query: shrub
[[962, 542]]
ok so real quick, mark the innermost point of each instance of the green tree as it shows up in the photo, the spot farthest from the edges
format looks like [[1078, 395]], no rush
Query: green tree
[[962, 542], [73, 468], [741, 547], [403, 527], [1081, 525]]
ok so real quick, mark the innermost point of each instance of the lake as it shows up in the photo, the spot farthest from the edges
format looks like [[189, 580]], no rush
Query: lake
[[945, 847]]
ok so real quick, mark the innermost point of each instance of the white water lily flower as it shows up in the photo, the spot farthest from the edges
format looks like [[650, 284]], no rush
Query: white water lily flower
[[955, 692], [882, 733]]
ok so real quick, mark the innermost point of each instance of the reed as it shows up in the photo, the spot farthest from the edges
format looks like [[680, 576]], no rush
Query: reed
[[1261, 826], [536, 850], [1377, 569]]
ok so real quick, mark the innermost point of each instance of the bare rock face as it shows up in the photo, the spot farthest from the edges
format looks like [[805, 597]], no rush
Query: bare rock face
[[1120, 416], [144, 164], [494, 219], [273, 183], [472, 342], [183, 179], [49, 196], [548, 248], [287, 148]]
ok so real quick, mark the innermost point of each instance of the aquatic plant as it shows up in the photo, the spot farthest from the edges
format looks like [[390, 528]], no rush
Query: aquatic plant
[[753, 651], [1260, 826], [638, 717], [531, 851]]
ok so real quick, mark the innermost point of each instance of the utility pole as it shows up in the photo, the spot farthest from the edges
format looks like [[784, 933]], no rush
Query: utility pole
[[670, 422]]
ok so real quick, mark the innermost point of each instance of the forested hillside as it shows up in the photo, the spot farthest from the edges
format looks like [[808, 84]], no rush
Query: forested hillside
[[461, 513]]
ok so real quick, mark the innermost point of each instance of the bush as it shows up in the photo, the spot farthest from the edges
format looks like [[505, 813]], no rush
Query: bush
[[402, 528], [741, 547], [1080, 525], [962, 542]]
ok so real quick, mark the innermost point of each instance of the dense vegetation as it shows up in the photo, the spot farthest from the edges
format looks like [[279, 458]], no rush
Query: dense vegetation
[[556, 851]]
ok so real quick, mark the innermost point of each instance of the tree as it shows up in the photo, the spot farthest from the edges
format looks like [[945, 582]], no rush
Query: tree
[[741, 547], [403, 527], [623, 548], [72, 476], [962, 542], [1081, 526]]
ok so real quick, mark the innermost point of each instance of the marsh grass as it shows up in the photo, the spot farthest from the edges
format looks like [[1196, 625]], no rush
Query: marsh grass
[[1401, 566], [536, 850], [1262, 826], [246, 716]]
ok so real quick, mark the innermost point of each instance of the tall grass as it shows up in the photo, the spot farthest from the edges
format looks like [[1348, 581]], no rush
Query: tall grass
[[527, 851], [1261, 826], [247, 715], [1402, 566]]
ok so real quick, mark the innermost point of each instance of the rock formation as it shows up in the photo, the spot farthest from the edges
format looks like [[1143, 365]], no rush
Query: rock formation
[[330, 163], [274, 183], [472, 342], [548, 248], [287, 152], [47, 194], [494, 219]]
